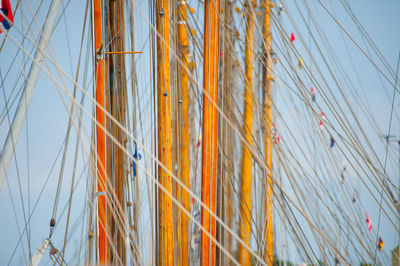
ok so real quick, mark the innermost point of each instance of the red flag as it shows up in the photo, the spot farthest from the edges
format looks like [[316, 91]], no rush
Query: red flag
[[321, 127], [6, 16], [369, 223], [292, 38]]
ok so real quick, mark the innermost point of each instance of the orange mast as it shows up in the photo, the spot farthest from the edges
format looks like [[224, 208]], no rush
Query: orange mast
[[101, 187], [245, 197], [184, 145], [267, 85], [165, 227], [210, 115]]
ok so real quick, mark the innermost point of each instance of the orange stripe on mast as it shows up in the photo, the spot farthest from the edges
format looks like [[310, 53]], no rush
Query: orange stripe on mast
[[185, 140], [267, 86], [210, 116], [100, 148]]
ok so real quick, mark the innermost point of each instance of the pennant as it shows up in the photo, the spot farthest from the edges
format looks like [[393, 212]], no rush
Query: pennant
[[332, 142], [380, 244], [275, 136], [6, 16], [292, 38], [355, 196], [301, 63], [312, 94], [280, 9], [137, 156], [323, 116], [342, 172], [321, 127], [369, 223]]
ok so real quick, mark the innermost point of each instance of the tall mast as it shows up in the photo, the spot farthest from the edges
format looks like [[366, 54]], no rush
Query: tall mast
[[267, 87], [135, 224], [15, 129], [210, 115], [100, 136], [245, 197], [184, 144], [117, 104], [165, 242], [226, 162]]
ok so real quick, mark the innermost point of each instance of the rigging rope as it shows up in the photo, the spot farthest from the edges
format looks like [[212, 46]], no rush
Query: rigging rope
[[386, 153]]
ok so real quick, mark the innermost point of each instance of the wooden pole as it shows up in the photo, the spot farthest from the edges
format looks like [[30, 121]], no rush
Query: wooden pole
[[227, 176], [135, 225], [267, 86], [165, 244], [126, 52], [245, 197], [210, 115], [117, 91], [100, 136], [184, 144]]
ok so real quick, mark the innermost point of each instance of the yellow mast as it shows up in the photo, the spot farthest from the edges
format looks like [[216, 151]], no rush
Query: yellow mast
[[245, 199], [184, 144], [210, 115], [165, 241], [267, 86]]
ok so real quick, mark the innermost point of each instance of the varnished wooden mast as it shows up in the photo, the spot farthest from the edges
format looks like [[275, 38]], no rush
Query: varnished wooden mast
[[117, 105], [210, 115], [245, 196], [100, 136], [165, 241], [226, 162], [184, 144], [267, 86]]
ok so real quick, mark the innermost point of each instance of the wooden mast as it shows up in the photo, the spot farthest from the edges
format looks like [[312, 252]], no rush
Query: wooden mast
[[165, 242], [245, 197], [210, 115], [100, 136], [184, 144], [267, 87], [226, 164], [117, 105], [135, 225]]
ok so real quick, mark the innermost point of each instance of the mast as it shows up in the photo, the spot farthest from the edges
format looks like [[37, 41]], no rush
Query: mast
[[117, 108], [210, 115], [245, 197], [100, 137], [165, 242], [226, 162], [184, 144], [135, 221], [20, 114], [267, 87]]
